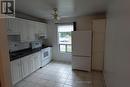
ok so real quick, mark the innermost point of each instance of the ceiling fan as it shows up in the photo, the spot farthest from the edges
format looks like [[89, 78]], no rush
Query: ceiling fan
[[55, 15]]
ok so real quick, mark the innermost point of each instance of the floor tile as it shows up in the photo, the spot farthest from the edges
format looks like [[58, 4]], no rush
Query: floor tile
[[59, 85], [58, 74], [68, 86], [20, 84]]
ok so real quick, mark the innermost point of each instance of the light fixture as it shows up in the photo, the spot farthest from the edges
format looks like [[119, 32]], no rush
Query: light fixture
[[55, 15]]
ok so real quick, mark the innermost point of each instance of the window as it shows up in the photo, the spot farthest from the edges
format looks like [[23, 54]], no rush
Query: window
[[64, 34]]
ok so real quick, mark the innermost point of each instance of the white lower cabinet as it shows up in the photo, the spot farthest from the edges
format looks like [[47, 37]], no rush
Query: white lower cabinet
[[26, 67], [16, 71], [37, 60], [22, 67], [30, 63]]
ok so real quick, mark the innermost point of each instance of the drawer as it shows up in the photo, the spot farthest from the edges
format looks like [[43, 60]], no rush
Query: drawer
[[46, 61], [81, 63]]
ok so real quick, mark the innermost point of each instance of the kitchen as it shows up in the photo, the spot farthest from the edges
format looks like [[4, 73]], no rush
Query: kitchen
[[51, 53], [30, 50], [27, 53], [46, 43]]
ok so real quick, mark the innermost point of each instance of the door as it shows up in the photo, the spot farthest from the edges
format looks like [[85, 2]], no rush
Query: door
[[16, 71], [81, 43], [98, 44]]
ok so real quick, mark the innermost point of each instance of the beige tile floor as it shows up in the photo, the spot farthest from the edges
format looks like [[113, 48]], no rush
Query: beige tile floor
[[58, 74]]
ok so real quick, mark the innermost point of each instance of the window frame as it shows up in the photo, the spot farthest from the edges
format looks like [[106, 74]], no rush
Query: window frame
[[65, 44], [65, 48]]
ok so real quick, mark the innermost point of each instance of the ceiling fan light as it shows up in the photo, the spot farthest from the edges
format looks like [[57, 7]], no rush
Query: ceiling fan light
[[55, 15]]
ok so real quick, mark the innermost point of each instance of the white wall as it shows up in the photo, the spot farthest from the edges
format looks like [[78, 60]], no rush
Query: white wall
[[83, 23], [117, 56]]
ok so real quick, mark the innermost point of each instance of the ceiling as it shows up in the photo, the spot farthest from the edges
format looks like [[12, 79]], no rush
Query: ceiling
[[66, 8]]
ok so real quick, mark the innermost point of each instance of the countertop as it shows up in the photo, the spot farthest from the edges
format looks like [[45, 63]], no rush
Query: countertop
[[25, 52]]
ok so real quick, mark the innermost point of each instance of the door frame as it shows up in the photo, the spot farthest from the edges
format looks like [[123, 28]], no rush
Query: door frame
[[5, 72]]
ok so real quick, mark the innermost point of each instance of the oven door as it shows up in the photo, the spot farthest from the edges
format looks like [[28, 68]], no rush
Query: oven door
[[45, 53]]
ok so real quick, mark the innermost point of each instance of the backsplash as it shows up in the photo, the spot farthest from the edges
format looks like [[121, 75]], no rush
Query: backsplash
[[15, 44]]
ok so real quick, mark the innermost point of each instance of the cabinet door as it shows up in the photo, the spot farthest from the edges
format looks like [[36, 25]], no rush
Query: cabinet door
[[25, 66], [13, 27], [31, 30], [27, 31], [32, 63], [7, 25], [41, 29], [37, 60], [36, 27], [24, 30], [16, 71], [44, 29], [17, 26]]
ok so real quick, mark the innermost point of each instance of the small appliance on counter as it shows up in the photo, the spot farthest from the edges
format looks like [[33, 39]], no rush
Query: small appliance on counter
[[24, 49], [16, 46], [43, 39], [36, 44]]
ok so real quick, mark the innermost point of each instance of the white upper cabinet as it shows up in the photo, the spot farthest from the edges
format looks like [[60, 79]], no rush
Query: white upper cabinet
[[24, 31], [28, 30], [13, 27], [41, 29], [31, 29]]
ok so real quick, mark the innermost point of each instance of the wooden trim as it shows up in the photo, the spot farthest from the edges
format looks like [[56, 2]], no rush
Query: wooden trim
[[5, 77]]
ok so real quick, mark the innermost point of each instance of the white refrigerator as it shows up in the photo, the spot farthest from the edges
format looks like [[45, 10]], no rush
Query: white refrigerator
[[81, 50]]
